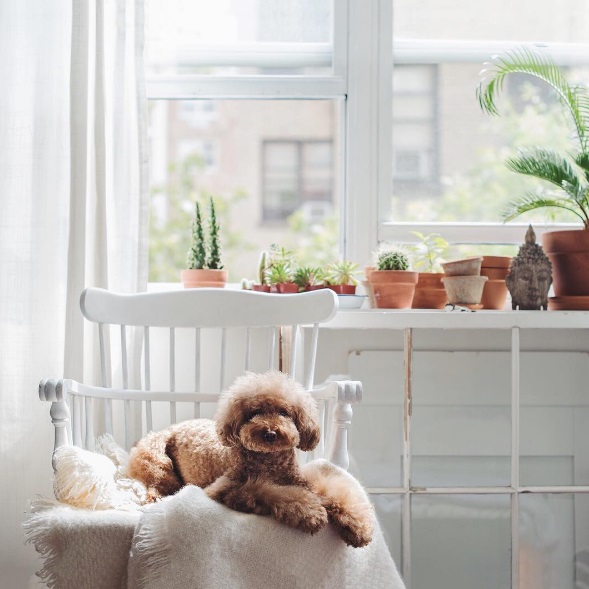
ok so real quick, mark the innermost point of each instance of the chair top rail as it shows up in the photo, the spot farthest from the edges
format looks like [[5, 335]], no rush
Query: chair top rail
[[208, 307], [82, 390]]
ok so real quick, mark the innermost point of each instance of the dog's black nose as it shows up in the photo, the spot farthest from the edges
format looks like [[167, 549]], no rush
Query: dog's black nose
[[269, 436]]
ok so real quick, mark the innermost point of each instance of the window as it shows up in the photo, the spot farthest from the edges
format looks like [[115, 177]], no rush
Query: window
[[246, 105], [411, 149], [298, 175], [460, 186]]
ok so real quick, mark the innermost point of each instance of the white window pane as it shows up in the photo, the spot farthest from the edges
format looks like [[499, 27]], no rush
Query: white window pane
[[554, 541], [461, 542], [525, 20], [451, 167], [275, 181], [238, 36]]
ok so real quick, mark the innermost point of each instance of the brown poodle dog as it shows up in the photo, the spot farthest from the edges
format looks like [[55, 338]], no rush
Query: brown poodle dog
[[250, 463]]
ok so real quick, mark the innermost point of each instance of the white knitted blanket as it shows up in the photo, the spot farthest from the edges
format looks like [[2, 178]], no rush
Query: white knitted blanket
[[188, 540], [104, 540]]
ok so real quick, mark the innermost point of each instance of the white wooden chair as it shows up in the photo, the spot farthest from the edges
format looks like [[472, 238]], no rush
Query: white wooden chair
[[165, 357], [200, 339]]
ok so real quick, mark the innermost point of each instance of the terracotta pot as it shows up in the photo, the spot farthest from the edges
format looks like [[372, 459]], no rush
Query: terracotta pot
[[393, 295], [393, 289], [568, 303], [494, 294], [286, 287], [495, 268], [465, 290], [370, 292], [569, 253], [315, 287], [347, 289], [385, 276], [429, 292], [261, 287], [465, 267], [496, 262], [495, 273], [203, 278]]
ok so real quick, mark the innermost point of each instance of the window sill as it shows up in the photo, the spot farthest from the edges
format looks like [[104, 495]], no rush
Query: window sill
[[433, 319]]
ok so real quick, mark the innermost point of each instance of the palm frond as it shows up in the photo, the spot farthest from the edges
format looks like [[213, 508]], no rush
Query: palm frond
[[547, 165], [582, 160], [532, 201], [527, 61]]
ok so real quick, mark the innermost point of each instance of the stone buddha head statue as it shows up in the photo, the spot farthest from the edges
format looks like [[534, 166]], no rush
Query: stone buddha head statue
[[530, 276]]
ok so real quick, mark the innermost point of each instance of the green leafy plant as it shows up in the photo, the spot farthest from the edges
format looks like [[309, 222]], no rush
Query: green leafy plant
[[392, 260], [566, 174], [280, 254], [307, 276], [342, 272], [428, 254]]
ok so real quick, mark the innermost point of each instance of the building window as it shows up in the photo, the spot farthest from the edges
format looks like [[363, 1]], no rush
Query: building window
[[297, 175]]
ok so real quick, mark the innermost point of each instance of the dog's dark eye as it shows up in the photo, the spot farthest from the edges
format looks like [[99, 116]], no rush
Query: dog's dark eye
[[283, 412], [254, 413]]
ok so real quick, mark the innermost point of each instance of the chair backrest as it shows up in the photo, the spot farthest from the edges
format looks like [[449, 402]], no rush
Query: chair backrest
[[182, 348]]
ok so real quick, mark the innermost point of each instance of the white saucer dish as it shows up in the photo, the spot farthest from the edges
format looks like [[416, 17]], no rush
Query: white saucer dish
[[351, 301]]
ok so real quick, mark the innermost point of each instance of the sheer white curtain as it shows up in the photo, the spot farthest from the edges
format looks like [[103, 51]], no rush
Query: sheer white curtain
[[73, 213]]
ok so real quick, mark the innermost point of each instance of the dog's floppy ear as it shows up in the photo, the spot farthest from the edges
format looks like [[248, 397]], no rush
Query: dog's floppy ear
[[306, 419], [228, 420]]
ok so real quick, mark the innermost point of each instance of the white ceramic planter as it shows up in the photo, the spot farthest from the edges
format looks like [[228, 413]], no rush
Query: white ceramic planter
[[465, 290], [465, 267]]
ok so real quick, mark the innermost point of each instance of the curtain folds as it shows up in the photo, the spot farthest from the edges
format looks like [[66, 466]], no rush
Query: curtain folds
[[74, 213]]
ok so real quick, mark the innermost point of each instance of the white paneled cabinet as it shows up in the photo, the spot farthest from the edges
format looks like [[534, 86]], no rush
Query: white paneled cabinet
[[473, 438]]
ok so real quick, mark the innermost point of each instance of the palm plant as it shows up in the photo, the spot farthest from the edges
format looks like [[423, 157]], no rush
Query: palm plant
[[568, 173]]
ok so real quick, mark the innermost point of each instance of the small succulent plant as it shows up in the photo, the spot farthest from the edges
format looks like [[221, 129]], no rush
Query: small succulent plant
[[280, 272], [306, 276], [342, 272]]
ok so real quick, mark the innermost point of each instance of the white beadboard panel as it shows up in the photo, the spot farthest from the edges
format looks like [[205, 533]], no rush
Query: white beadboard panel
[[376, 445], [473, 377]]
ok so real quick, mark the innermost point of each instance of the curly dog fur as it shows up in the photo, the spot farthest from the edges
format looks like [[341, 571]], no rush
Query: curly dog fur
[[246, 459]]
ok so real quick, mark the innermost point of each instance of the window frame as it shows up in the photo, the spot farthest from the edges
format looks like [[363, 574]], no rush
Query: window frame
[[362, 34]]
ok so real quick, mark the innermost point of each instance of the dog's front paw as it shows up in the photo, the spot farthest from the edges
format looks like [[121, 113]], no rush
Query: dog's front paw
[[307, 517], [355, 531]]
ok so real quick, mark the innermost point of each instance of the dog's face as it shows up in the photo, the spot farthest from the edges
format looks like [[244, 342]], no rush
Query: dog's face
[[267, 413]]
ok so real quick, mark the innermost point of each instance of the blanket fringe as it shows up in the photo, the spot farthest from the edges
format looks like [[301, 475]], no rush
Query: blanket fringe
[[155, 552], [38, 533]]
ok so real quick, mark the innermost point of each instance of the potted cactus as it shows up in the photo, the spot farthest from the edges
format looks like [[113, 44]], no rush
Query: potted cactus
[[205, 268], [392, 282], [263, 266]]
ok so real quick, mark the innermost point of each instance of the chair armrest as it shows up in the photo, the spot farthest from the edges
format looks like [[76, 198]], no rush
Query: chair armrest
[[344, 393], [56, 392]]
